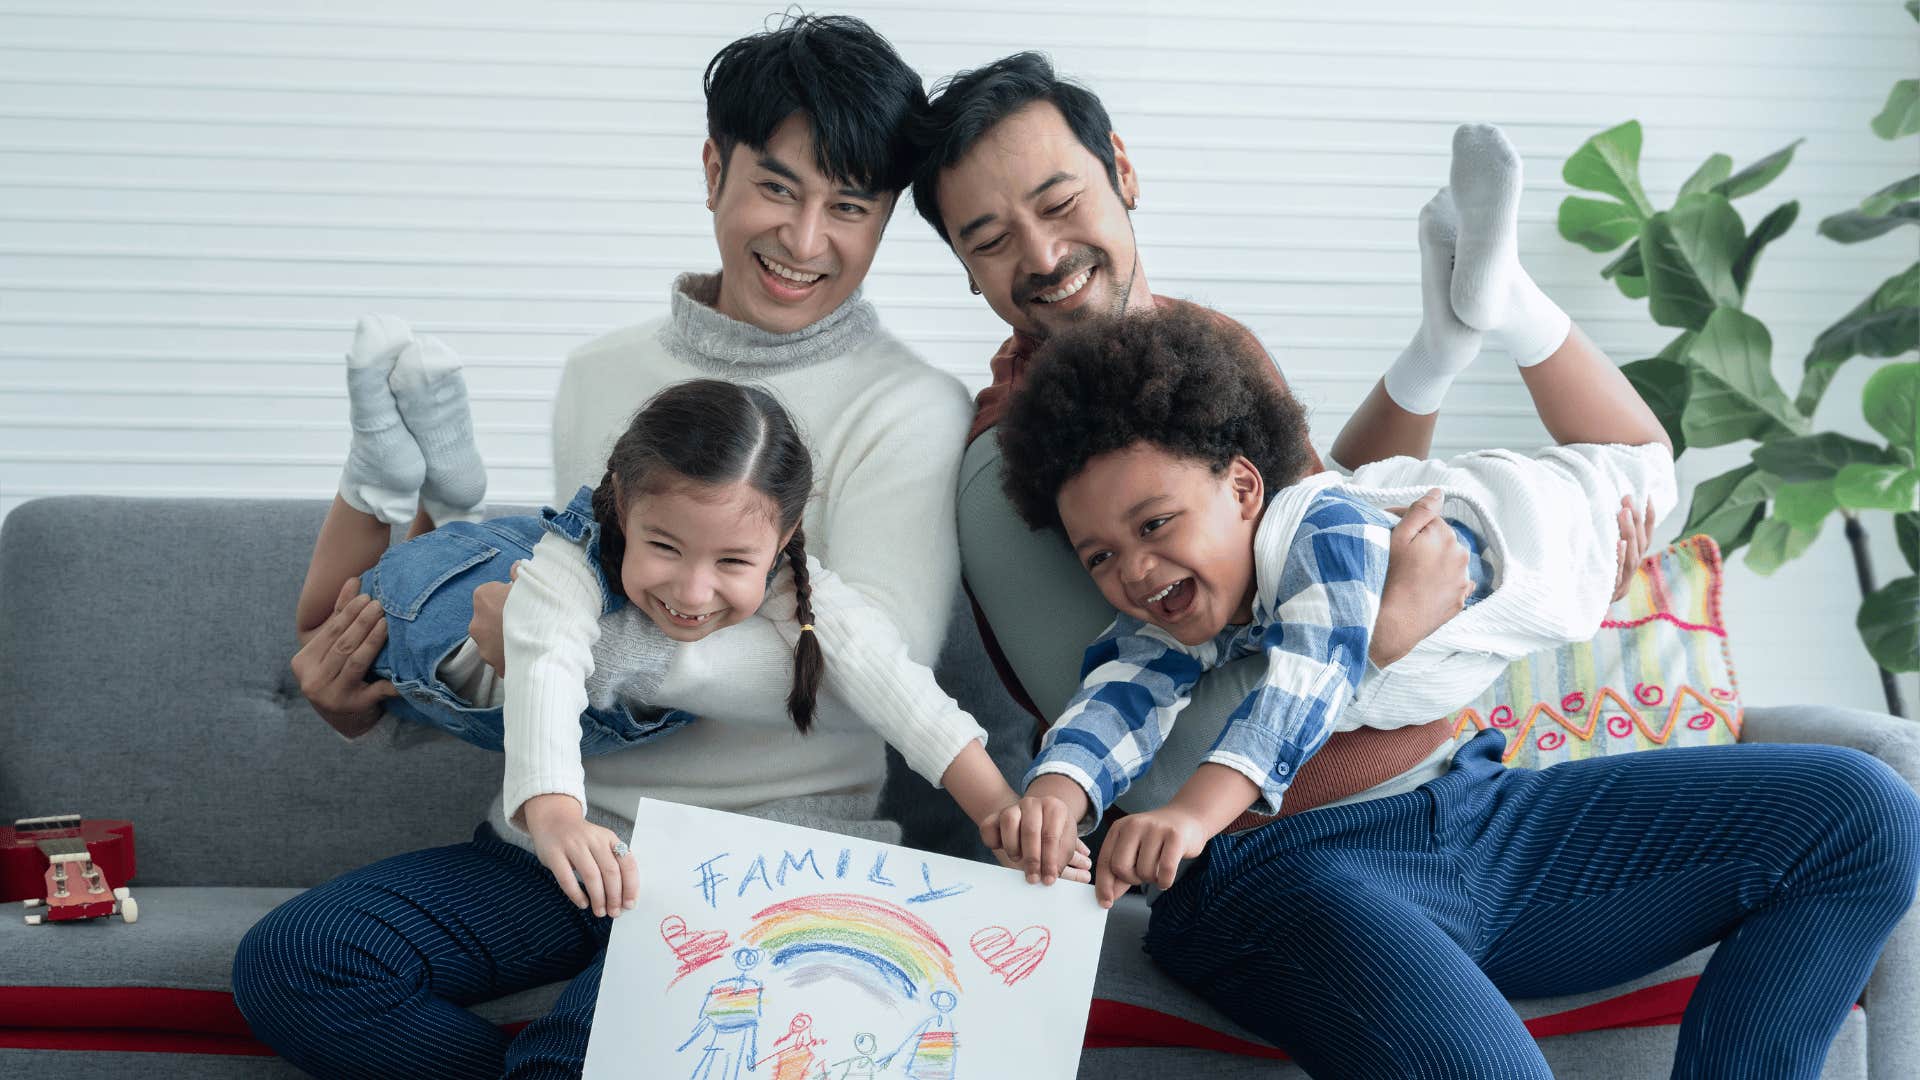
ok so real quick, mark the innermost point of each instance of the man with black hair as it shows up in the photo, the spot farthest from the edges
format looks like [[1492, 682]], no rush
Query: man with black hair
[[1025, 179], [369, 974]]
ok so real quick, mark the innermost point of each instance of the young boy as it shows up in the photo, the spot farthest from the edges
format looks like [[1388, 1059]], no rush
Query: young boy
[[1380, 935]]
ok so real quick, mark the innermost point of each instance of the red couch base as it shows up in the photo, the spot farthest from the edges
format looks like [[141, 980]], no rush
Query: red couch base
[[155, 1020]]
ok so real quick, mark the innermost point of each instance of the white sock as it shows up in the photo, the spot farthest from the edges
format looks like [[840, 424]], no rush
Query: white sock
[[1491, 290], [1443, 346], [384, 468], [432, 395]]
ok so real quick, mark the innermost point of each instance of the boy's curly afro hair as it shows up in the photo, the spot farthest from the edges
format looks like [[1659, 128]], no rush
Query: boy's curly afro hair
[[1179, 377]]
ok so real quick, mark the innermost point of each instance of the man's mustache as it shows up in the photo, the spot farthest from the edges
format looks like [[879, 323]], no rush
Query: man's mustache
[[1069, 267]]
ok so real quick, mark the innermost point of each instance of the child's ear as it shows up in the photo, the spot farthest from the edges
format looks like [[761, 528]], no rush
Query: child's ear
[[787, 537], [1249, 489]]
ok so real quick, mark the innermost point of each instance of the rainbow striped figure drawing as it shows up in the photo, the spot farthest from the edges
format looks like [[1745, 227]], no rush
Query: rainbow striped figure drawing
[[860, 955], [731, 1016]]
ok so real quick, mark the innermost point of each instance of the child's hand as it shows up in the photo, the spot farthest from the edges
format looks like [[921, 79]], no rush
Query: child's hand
[[571, 846], [1636, 535], [1079, 865], [1036, 830], [1426, 582], [1147, 847]]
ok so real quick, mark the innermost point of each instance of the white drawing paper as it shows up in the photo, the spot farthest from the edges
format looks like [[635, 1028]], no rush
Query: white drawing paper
[[762, 951]]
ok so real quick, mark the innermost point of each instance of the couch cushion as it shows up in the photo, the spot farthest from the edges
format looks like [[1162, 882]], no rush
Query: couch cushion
[[156, 673]]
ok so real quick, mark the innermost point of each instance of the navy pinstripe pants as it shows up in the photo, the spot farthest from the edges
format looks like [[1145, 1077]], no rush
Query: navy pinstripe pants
[[368, 974], [1379, 940]]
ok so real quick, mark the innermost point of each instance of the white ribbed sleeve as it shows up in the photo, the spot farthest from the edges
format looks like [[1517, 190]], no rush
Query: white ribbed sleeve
[[551, 623], [868, 667]]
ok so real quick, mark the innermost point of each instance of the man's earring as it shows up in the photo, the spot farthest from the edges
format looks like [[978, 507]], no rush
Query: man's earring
[[1133, 203], [972, 288]]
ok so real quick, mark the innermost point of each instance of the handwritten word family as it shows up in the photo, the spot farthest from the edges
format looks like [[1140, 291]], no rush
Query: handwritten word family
[[736, 875]]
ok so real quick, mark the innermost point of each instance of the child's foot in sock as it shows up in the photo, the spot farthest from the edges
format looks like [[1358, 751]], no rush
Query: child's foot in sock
[[1491, 290], [432, 396], [1443, 346], [384, 468]]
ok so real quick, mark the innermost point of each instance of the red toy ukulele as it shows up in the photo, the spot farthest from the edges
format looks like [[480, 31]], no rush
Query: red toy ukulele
[[70, 866]]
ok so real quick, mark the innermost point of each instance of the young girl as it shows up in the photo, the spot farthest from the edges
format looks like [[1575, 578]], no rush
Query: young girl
[[1381, 935], [694, 527]]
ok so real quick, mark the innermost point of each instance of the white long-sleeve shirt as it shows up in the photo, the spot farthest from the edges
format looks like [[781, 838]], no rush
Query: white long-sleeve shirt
[[886, 431], [553, 621]]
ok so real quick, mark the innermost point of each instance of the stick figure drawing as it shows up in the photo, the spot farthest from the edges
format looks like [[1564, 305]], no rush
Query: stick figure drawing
[[731, 1013], [935, 1048]]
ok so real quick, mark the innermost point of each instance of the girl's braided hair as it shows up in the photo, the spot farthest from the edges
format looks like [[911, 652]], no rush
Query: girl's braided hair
[[714, 432]]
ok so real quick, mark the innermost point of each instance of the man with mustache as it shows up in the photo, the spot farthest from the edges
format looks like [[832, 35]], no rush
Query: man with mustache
[[1027, 182]]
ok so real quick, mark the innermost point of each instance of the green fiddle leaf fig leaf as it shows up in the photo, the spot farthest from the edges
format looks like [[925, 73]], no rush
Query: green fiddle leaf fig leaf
[[1901, 114], [1732, 394], [1597, 224], [1891, 403], [1884, 324], [1662, 384], [1913, 9], [1906, 535], [1632, 286], [1892, 195], [1805, 505], [1853, 226], [1728, 507], [1759, 174], [1889, 623], [1771, 228], [1628, 273], [1877, 487], [1689, 253], [1610, 164], [1815, 457], [1711, 173], [1776, 543]]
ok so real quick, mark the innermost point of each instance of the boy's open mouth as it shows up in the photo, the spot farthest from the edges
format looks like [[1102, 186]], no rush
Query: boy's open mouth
[[1172, 601]]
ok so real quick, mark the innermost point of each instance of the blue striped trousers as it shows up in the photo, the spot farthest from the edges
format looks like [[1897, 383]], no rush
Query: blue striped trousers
[[369, 974], [1381, 939]]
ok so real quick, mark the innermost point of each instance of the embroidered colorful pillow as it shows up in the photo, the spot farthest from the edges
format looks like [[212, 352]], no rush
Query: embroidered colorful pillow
[[1658, 674]]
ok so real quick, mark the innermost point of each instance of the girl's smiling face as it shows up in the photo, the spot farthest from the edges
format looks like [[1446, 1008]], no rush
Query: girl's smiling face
[[698, 555], [1167, 539]]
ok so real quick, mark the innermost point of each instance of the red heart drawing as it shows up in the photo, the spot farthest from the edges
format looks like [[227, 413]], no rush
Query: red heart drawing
[[693, 948], [1008, 955]]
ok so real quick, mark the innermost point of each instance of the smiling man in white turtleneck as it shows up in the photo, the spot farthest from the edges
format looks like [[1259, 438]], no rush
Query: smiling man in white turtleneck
[[806, 157]]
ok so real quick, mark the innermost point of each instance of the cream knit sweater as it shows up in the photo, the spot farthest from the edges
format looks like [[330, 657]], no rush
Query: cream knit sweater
[[886, 431]]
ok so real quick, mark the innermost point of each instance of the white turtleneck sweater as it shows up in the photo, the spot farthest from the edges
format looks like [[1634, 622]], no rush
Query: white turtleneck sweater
[[887, 432]]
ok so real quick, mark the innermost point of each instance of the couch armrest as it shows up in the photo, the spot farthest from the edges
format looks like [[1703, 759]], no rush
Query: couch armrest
[[1893, 994]]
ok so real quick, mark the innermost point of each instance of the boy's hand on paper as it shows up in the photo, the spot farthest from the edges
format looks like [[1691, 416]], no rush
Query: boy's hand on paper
[[580, 855], [1426, 583], [1036, 830], [332, 666], [1636, 536], [1147, 847], [489, 607]]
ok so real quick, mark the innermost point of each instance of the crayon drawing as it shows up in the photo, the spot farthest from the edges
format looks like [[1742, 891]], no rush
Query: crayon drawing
[[851, 960]]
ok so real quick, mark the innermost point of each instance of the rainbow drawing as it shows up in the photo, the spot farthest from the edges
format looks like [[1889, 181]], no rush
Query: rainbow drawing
[[877, 946]]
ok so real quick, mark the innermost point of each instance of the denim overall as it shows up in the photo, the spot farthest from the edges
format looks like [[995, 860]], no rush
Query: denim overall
[[426, 588]]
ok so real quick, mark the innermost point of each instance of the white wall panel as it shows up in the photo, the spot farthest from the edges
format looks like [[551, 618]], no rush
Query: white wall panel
[[197, 199]]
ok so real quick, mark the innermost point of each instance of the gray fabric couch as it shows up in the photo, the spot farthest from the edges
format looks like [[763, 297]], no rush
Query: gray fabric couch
[[143, 675]]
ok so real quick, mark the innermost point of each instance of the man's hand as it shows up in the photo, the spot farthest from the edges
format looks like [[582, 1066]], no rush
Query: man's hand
[[1147, 847], [489, 607], [1636, 535], [332, 666], [1426, 584], [1036, 830], [580, 853]]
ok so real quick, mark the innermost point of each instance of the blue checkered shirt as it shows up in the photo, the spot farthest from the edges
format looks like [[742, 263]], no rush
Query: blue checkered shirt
[[1314, 632]]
